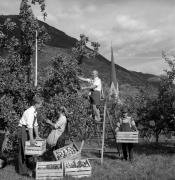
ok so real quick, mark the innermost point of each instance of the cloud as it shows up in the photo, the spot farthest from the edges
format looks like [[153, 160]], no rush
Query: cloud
[[137, 28], [157, 66], [125, 22], [90, 8]]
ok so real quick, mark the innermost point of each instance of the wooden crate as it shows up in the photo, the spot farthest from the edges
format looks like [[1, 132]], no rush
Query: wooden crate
[[127, 137], [76, 168], [64, 153], [49, 170], [38, 149]]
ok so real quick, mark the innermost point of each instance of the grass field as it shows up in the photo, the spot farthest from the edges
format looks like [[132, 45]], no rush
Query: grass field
[[151, 162]]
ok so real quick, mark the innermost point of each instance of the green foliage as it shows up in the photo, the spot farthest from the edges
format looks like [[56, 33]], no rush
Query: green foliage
[[16, 92], [61, 88], [61, 76], [15, 95], [80, 50], [5, 30]]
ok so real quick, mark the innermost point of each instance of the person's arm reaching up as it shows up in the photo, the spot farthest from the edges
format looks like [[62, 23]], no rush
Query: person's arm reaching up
[[84, 79]]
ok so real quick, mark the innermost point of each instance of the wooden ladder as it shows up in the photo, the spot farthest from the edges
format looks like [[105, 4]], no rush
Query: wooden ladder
[[102, 134]]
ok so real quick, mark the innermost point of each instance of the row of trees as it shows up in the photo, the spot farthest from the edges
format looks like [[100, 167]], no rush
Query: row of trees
[[158, 113], [60, 85], [154, 113]]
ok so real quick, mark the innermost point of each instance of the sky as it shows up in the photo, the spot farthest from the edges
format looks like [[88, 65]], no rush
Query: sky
[[137, 29]]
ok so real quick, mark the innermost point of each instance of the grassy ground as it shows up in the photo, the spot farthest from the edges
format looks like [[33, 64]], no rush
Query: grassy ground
[[151, 162]]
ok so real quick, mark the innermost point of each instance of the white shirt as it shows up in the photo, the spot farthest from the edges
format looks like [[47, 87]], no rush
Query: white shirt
[[127, 119], [61, 123], [28, 118], [96, 82]]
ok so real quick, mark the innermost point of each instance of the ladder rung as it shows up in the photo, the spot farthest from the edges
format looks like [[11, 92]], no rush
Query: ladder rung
[[99, 132], [99, 122], [94, 158], [96, 138]]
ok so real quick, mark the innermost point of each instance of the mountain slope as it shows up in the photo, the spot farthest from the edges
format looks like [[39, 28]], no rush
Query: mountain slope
[[58, 38], [61, 43]]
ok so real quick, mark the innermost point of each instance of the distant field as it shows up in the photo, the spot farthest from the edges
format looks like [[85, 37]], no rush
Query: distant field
[[151, 162]]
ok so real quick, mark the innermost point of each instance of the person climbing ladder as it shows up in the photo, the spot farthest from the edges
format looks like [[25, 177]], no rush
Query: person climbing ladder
[[95, 92]]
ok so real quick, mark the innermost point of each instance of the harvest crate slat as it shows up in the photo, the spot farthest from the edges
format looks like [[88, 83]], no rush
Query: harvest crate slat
[[78, 168], [50, 174], [79, 173], [40, 142], [127, 137], [49, 178], [49, 170], [34, 153], [38, 149], [70, 151]]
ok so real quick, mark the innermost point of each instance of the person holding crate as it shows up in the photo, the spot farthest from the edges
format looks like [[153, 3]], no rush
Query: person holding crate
[[58, 129], [126, 124], [27, 124], [95, 95]]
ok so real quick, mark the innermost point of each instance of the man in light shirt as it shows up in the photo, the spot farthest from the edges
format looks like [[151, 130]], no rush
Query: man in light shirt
[[27, 124], [96, 88]]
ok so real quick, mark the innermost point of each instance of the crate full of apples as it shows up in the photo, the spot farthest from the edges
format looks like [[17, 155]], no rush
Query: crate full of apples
[[70, 151], [78, 168]]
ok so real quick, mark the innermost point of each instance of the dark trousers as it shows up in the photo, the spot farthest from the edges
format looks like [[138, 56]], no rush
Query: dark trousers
[[61, 141], [22, 159], [127, 149]]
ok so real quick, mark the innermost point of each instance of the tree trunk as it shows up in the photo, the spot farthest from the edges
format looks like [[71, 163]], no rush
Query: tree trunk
[[80, 59], [29, 73], [157, 137]]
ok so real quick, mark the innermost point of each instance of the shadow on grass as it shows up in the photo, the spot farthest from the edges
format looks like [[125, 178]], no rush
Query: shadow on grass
[[154, 148], [96, 154], [141, 148]]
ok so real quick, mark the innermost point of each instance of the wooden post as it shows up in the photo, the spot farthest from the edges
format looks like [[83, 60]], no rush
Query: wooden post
[[36, 59], [103, 135]]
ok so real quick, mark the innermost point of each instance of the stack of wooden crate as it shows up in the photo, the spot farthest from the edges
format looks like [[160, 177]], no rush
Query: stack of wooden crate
[[58, 169], [69, 163], [36, 150]]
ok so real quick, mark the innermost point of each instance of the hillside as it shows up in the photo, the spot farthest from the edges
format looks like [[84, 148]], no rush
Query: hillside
[[62, 43], [58, 38]]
